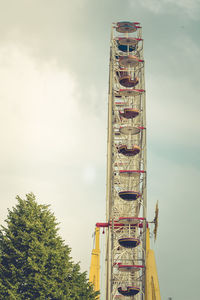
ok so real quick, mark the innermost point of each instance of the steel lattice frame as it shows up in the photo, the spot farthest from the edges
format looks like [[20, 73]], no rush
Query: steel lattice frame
[[126, 169]]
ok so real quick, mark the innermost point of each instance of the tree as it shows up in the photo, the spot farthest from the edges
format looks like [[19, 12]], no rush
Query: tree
[[34, 261]]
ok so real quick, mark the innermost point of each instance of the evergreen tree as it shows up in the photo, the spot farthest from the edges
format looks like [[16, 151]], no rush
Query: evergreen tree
[[34, 261]]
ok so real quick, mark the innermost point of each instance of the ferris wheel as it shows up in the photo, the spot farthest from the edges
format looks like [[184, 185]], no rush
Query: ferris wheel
[[130, 263], [126, 165]]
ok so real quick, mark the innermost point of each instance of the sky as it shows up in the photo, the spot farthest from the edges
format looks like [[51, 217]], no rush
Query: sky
[[54, 64]]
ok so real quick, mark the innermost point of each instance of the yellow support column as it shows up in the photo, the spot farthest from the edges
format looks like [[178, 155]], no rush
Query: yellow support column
[[152, 290], [94, 276]]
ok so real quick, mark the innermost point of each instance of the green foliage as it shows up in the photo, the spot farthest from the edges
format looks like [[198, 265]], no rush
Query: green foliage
[[34, 261]]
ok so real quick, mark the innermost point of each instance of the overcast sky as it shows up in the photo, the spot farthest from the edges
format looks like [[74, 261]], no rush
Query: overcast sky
[[53, 120]]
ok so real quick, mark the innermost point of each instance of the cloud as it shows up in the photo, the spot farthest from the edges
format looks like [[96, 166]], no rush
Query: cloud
[[190, 8], [89, 174], [40, 107], [172, 96], [176, 188]]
